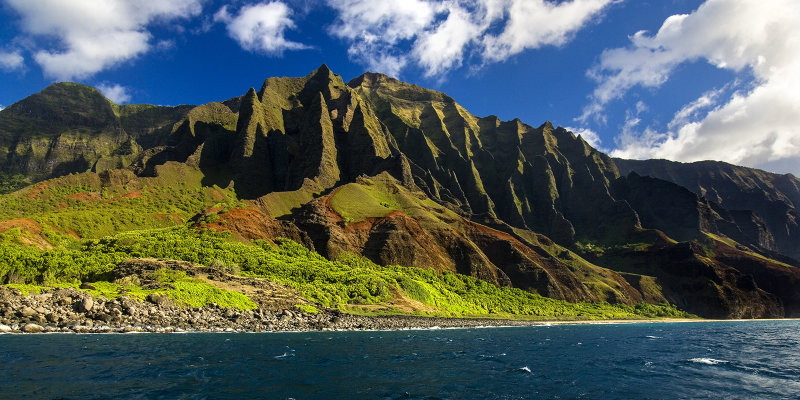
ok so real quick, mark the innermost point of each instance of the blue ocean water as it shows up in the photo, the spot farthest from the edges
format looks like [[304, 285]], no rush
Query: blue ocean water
[[759, 359]]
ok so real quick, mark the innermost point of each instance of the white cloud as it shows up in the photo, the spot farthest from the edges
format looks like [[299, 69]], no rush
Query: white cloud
[[536, 23], [261, 27], [95, 35], [441, 49], [589, 136], [374, 29], [756, 125], [2, 107], [10, 61], [442, 33], [115, 92]]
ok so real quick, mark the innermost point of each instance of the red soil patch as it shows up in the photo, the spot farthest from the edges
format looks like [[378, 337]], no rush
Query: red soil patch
[[73, 233], [86, 197], [27, 225], [37, 190], [250, 224], [131, 195], [217, 195], [168, 217], [32, 232]]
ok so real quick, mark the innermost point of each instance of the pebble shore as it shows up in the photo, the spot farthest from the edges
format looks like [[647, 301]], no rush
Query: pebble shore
[[74, 311]]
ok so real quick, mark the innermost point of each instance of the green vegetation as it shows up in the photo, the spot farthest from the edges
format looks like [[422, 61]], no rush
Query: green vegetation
[[80, 204], [12, 182], [185, 291], [308, 309], [379, 196], [349, 280]]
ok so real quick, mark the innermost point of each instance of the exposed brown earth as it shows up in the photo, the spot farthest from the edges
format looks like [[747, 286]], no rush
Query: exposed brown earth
[[31, 232]]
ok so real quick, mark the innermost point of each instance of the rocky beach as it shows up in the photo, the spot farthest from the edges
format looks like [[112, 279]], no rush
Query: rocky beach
[[73, 311], [279, 308]]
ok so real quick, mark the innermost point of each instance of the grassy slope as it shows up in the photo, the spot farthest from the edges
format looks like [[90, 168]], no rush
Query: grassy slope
[[144, 218], [378, 196]]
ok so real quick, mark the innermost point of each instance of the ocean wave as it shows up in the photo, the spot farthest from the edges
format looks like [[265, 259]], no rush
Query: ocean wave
[[708, 361], [653, 337]]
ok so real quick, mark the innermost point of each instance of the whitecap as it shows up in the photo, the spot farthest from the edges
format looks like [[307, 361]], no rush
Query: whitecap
[[708, 361], [525, 369], [653, 337]]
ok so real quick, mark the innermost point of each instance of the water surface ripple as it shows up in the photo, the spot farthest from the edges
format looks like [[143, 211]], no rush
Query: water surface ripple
[[731, 360]]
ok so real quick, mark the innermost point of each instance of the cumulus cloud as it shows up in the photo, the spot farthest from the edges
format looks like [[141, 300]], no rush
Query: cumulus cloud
[[261, 27], [442, 33], [757, 124], [94, 35], [375, 28], [536, 23], [115, 92], [589, 136], [10, 61]]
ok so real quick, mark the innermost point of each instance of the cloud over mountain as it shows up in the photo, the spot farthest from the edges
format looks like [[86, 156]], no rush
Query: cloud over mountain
[[758, 124], [442, 34], [90, 36], [261, 27], [115, 92]]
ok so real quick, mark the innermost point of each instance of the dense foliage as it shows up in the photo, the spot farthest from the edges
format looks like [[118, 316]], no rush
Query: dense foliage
[[345, 282]]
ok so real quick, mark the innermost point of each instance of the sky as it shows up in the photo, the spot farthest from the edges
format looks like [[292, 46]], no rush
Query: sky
[[684, 80]]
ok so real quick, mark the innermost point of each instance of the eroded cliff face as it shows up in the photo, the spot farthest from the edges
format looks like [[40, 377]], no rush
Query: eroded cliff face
[[763, 205], [406, 176], [70, 128], [531, 178]]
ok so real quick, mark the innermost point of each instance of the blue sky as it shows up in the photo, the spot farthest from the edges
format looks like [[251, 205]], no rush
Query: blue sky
[[685, 80]]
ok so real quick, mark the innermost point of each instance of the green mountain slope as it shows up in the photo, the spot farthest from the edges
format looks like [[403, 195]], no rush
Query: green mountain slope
[[70, 128], [401, 175]]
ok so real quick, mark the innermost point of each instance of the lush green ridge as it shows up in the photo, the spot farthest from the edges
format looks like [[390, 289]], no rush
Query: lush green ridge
[[81, 204], [347, 281]]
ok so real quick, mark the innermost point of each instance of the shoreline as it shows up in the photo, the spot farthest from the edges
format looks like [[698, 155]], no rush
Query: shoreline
[[373, 324], [453, 323], [66, 310]]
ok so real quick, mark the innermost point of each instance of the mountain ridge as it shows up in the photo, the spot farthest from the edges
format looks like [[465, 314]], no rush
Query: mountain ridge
[[405, 175]]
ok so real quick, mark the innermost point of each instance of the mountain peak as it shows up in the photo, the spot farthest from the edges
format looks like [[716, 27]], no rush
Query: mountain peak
[[323, 69], [369, 79], [323, 73]]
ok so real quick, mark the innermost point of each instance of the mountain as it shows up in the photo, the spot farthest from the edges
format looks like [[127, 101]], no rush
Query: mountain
[[69, 128], [405, 175], [761, 205]]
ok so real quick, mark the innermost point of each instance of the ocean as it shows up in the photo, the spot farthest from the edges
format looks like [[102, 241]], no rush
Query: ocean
[[729, 360]]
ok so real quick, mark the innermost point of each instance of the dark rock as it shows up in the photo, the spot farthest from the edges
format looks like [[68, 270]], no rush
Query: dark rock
[[87, 285]]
